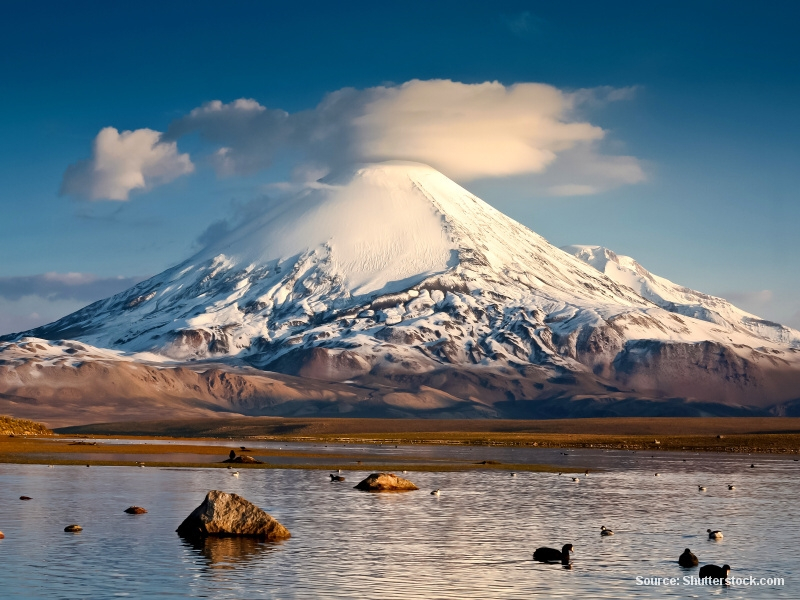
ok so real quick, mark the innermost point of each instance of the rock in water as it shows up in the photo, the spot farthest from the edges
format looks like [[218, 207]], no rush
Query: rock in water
[[386, 482], [73, 528], [224, 514], [243, 459], [1, 535], [135, 510]]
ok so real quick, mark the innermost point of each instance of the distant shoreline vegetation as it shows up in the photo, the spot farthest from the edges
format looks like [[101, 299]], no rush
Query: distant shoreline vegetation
[[12, 426]]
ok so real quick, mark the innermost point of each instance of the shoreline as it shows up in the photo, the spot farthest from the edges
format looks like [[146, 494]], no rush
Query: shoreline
[[205, 443], [763, 435]]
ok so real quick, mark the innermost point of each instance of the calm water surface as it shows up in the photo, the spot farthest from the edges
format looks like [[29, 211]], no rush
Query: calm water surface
[[474, 541]]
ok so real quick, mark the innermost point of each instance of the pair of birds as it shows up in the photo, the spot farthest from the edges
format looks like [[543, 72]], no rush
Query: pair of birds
[[545, 554], [702, 488], [688, 560]]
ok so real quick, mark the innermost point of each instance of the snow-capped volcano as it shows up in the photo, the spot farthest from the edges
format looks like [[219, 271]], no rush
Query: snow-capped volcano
[[393, 273]]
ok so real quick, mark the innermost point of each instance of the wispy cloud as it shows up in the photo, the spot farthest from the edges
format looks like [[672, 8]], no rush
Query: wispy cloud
[[64, 286], [123, 162], [522, 23], [750, 298]]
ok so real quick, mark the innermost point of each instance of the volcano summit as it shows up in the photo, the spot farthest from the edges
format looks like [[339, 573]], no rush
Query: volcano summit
[[409, 296]]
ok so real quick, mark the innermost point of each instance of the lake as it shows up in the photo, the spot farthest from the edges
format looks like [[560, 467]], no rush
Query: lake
[[474, 541]]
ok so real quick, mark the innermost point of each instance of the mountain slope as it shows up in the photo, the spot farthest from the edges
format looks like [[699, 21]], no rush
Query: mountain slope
[[679, 299], [393, 276]]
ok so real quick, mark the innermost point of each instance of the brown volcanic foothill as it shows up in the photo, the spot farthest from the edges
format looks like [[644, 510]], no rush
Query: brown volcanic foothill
[[385, 482], [223, 514]]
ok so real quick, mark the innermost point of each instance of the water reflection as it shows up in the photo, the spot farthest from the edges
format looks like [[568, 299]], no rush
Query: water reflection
[[228, 552], [476, 540]]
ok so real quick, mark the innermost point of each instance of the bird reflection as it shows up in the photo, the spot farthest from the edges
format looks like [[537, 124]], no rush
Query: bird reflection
[[229, 552]]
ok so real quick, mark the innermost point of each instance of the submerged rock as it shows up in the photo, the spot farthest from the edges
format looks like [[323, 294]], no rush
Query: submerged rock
[[385, 482], [243, 459], [135, 510], [223, 514], [73, 528], [1, 535]]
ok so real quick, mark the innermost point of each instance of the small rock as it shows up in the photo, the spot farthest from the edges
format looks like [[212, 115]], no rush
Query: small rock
[[243, 459], [385, 482], [226, 514], [73, 528], [135, 510], [25, 498], [1, 535]]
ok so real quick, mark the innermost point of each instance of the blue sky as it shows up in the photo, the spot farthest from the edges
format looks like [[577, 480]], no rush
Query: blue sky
[[698, 98]]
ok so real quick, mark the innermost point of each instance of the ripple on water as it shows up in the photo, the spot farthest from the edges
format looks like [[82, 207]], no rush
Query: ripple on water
[[475, 540]]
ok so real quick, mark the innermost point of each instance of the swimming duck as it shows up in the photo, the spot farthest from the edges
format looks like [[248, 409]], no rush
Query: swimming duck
[[235, 473], [337, 478], [435, 492], [657, 475], [731, 487], [553, 555], [715, 572], [575, 479], [513, 474], [687, 559], [605, 531], [702, 488], [714, 535]]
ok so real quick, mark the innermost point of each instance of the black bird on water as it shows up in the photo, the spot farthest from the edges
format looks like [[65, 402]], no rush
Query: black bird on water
[[337, 478], [715, 572], [553, 555], [687, 559]]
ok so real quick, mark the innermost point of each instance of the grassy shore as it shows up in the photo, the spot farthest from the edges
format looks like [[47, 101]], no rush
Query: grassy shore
[[774, 435], [759, 435], [96, 452]]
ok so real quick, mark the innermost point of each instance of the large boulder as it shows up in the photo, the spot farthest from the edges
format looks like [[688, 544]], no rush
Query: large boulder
[[386, 482], [223, 514]]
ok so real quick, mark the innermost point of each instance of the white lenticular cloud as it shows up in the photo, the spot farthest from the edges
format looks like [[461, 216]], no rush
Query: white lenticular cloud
[[467, 131], [471, 131], [122, 162]]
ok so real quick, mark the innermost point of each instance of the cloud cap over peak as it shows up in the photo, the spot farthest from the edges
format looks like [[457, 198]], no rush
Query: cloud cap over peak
[[467, 131]]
